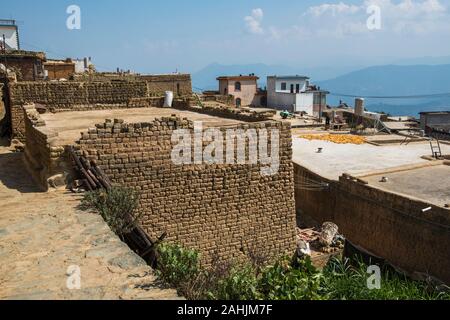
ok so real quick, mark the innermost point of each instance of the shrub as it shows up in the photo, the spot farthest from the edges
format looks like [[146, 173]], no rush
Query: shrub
[[117, 207], [287, 281], [176, 265], [241, 283], [284, 280]]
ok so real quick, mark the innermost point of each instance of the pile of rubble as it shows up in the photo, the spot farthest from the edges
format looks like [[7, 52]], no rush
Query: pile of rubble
[[312, 242]]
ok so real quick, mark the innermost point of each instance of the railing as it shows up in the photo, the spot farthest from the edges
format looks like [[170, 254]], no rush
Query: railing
[[8, 22]]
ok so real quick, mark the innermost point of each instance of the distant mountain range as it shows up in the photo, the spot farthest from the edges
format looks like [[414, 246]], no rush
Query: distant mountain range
[[205, 79], [385, 80], [394, 80]]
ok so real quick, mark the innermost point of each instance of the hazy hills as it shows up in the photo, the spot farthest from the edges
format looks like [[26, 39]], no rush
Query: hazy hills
[[385, 80]]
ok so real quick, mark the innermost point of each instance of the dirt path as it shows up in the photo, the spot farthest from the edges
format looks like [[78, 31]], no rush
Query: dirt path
[[42, 235]]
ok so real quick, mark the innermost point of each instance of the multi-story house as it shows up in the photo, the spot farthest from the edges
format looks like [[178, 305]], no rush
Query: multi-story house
[[295, 94]]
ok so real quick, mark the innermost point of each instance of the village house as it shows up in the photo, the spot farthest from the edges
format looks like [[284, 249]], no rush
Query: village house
[[27, 65], [9, 35], [59, 69], [244, 89], [296, 94], [83, 65]]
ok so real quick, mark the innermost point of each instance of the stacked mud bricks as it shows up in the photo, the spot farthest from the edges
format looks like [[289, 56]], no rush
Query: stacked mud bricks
[[225, 211]]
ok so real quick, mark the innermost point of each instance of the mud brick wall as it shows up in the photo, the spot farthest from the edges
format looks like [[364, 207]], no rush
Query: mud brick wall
[[59, 70], [385, 224], [225, 211], [71, 96], [220, 111], [179, 84], [59, 95], [43, 159], [24, 67]]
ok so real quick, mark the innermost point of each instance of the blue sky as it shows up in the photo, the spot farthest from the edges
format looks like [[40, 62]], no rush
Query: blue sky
[[164, 36]]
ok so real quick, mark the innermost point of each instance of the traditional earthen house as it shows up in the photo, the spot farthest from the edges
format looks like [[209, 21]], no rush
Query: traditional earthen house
[[59, 69], [27, 65]]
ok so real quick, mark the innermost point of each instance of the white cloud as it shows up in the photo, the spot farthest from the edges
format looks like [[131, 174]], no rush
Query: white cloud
[[337, 20], [253, 22], [333, 9]]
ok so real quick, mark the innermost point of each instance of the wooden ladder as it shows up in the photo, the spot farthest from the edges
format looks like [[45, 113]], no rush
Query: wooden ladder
[[435, 148]]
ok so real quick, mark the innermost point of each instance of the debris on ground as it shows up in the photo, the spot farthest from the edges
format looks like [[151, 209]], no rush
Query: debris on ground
[[319, 243], [328, 233]]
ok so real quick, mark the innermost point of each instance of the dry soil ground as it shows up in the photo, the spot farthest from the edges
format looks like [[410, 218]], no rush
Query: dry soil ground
[[43, 234]]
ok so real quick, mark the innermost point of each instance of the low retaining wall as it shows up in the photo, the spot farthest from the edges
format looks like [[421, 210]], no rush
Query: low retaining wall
[[46, 162], [385, 224], [225, 211], [223, 112]]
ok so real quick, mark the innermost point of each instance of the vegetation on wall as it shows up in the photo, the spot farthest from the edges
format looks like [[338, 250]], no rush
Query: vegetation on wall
[[284, 279], [257, 279], [117, 206]]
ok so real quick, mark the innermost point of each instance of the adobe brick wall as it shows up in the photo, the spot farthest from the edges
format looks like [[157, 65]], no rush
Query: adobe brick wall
[[223, 210], [316, 204], [189, 104], [59, 70], [25, 66], [157, 84], [43, 158], [72, 96], [180, 84], [146, 91], [385, 224]]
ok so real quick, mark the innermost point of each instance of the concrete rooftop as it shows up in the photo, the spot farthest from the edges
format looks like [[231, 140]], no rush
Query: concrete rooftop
[[433, 186], [337, 159], [69, 125]]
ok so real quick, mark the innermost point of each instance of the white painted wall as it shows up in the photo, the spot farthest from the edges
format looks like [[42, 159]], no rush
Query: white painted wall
[[80, 67], [301, 82], [10, 33], [305, 102]]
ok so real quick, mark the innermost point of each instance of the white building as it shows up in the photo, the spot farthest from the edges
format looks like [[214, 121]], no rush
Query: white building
[[82, 65], [295, 94], [10, 33]]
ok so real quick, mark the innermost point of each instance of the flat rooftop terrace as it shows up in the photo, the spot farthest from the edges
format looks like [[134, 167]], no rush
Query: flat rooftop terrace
[[69, 125], [336, 159], [431, 183]]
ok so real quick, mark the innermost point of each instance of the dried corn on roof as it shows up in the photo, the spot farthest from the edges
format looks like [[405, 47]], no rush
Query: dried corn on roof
[[335, 138]]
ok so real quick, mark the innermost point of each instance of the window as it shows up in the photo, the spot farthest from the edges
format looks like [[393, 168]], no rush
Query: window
[[178, 89], [283, 86], [237, 86], [292, 88], [238, 102], [297, 88]]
